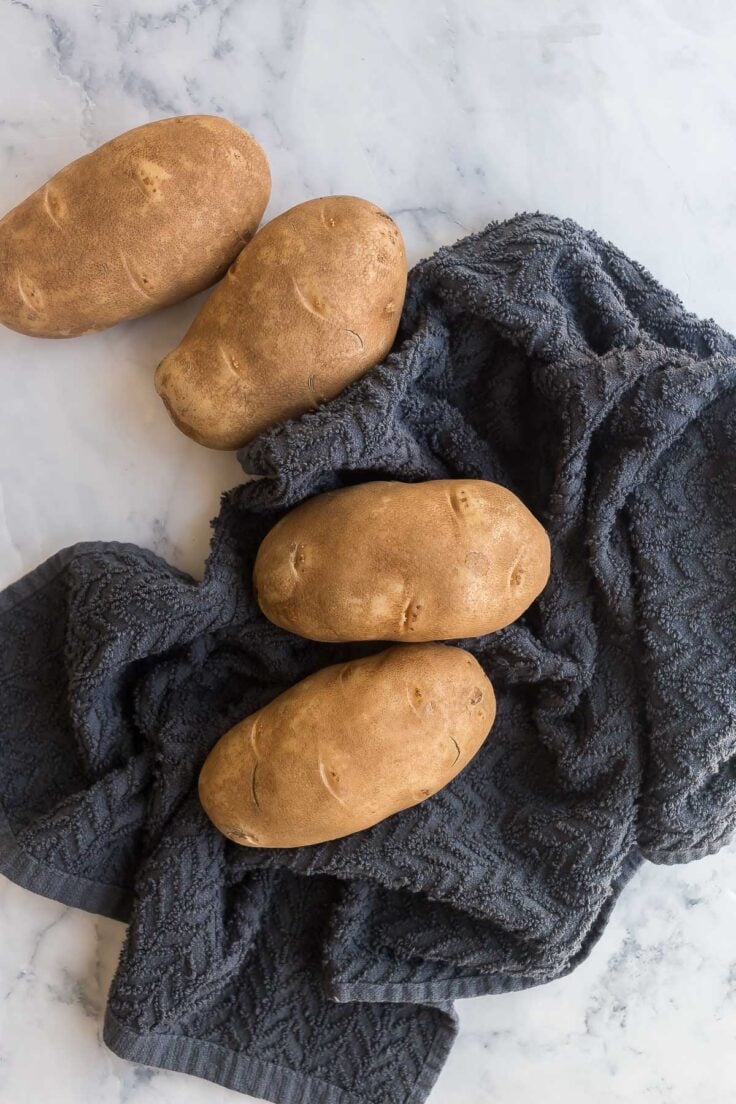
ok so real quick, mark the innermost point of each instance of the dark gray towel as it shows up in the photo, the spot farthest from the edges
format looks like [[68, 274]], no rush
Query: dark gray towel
[[533, 354]]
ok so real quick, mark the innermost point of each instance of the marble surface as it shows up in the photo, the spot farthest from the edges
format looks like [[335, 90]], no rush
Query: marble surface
[[622, 116]]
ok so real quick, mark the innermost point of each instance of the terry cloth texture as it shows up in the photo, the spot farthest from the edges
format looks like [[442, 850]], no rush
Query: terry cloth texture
[[533, 354]]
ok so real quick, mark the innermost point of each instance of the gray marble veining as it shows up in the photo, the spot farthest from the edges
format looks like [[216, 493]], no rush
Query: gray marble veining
[[622, 116]]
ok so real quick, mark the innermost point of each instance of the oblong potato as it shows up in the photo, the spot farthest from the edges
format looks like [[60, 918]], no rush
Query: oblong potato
[[445, 559], [149, 218], [348, 746], [309, 306]]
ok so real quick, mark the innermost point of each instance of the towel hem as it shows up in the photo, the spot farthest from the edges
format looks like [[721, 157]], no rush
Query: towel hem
[[247, 1074], [30, 873], [27, 585], [17, 864]]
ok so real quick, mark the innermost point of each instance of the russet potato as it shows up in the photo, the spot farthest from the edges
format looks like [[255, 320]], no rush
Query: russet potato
[[149, 218], [348, 747], [310, 305], [445, 559]]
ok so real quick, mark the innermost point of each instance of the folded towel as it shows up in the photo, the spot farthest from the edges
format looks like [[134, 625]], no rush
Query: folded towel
[[533, 354]]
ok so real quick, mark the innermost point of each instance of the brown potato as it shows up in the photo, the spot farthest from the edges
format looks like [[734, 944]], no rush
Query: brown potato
[[441, 560], [149, 218], [348, 747], [309, 306]]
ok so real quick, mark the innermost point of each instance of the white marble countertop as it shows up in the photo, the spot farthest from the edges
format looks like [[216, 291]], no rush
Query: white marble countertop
[[622, 116]]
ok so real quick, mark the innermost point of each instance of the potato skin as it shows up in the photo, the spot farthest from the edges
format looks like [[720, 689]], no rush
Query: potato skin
[[348, 747], [147, 219], [445, 559], [309, 306]]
